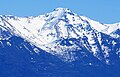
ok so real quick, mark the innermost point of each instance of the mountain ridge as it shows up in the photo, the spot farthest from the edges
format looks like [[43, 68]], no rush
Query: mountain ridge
[[61, 32]]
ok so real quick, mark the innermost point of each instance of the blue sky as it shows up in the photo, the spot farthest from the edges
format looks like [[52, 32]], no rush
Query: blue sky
[[105, 11]]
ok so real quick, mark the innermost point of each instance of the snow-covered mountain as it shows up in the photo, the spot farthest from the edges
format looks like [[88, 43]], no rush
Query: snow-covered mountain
[[68, 36]]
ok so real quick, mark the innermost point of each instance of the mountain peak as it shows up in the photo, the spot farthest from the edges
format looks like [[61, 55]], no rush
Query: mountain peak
[[61, 30]]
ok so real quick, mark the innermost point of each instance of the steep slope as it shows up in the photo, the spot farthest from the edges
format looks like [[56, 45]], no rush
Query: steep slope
[[104, 28], [19, 59], [65, 34]]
